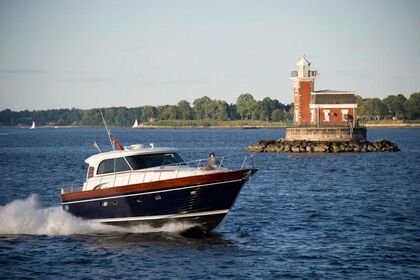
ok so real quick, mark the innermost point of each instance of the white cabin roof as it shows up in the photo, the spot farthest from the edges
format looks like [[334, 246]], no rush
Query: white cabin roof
[[98, 158]]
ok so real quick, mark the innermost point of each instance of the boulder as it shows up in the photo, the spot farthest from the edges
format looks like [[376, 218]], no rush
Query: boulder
[[371, 148], [319, 149], [295, 149]]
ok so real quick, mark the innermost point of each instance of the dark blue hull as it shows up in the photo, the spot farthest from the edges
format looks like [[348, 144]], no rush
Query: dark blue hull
[[204, 205]]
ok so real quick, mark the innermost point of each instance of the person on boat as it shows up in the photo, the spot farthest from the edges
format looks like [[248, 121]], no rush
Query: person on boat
[[213, 163]]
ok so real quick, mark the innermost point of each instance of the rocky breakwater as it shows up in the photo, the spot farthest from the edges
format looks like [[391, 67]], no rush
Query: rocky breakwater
[[302, 146]]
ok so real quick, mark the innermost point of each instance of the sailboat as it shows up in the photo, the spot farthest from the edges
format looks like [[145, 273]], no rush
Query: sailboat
[[33, 125], [136, 124]]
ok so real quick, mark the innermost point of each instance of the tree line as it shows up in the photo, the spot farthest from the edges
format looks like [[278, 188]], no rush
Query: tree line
[[391, 107], [205, 108]]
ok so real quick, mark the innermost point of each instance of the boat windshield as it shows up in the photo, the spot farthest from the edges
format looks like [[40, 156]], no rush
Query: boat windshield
[[148, 161]]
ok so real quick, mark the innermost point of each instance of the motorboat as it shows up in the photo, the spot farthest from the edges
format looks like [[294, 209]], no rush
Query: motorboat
[[154, 185]]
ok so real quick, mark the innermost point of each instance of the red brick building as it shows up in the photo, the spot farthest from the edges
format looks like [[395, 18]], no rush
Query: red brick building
[[323, 107]]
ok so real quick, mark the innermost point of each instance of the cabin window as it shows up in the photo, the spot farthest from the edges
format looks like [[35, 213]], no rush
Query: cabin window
[[121, 165], [91, 171], [113, 165], [148, 161], [106, 166]]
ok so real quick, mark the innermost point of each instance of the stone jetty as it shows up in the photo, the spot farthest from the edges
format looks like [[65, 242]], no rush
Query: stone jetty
[[302, 146]]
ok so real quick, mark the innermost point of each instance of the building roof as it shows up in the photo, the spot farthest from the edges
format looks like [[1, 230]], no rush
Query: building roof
[[303, 61], [333, 97], [330, 91]]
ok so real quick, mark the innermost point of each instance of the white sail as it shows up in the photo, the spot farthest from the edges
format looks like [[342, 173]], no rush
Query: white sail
[[136, 124], [33, 125]]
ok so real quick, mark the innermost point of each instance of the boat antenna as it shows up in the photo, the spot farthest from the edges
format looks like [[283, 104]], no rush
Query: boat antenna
[[107, 130]]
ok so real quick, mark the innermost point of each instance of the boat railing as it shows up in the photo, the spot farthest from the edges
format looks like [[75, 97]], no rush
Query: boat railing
[[156, 173], [223, 162]]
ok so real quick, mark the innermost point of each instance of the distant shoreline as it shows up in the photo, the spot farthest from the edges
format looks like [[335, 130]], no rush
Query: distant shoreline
[[378, 125]]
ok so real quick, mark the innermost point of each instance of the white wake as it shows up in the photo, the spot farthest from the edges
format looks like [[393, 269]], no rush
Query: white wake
[[26, 216]]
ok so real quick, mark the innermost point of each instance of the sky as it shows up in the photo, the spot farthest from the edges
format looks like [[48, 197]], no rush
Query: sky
[[90, 54]]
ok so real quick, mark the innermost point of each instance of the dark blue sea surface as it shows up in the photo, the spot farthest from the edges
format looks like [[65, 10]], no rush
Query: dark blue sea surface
[[304, 216]]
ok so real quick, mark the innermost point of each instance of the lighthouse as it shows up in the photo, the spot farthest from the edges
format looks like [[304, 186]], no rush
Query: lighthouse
[[303, 85], [321, 115]]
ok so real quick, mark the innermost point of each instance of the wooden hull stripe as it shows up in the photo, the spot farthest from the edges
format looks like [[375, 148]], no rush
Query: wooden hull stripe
[[156, 185], [172, 216], [145, 193]]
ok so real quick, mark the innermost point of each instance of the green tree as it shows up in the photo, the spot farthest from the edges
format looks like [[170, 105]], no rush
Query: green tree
[[222, 110], [264, 109], [149, 112], [202, 107], [359, 101], [91, 117], [232, 113], [211, 109], [168, 112], [412, 106], [373, 108], [277, 115], [246, 106], [73, 117], [134, 114], [395, 104], [185, 110]]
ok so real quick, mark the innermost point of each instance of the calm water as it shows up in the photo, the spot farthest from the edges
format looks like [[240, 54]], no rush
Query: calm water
[[301, 216]]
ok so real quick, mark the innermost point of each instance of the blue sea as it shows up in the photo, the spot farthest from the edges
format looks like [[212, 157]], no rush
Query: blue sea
[[302, 216]]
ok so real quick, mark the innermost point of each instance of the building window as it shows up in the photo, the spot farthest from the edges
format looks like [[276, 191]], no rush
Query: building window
[[345, 114], [326, 115], [312, 115]]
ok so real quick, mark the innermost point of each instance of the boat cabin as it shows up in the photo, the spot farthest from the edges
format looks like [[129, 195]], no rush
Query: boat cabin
[[119, 167]]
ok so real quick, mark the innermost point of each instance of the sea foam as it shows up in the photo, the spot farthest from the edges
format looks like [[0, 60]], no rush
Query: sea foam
[[27, 216]]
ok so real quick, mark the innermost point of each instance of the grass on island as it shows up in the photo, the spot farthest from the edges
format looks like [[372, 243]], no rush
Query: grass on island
[[392, 122]]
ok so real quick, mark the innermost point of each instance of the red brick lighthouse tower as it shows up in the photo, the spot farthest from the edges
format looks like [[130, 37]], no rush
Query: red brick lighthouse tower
[[303, 85]]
